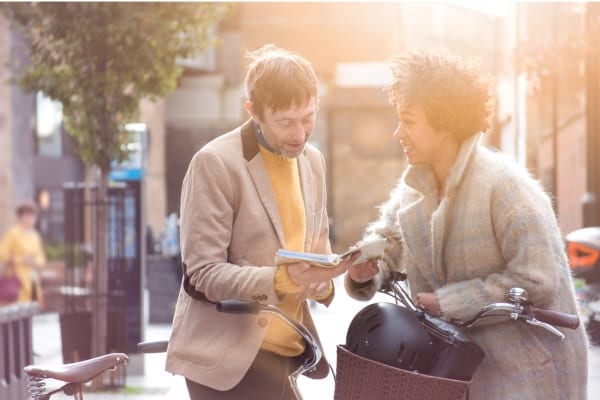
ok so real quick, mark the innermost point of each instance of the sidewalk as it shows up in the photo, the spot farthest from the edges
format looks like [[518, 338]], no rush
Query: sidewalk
[[157, 384], [154, 384]]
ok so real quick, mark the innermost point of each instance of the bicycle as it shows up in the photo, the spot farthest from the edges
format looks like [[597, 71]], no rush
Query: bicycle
[[353, 371], [74, 375], [349, 366]]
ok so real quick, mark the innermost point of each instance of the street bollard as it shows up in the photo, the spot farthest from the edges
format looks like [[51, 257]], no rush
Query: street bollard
[[15, 349]]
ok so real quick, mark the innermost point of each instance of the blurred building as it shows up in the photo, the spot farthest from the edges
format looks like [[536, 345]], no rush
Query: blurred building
[[350, 46], [37, 155], [5, 137], [556, 72]]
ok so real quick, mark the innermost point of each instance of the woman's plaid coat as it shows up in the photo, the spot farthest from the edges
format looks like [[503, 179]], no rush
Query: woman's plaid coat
[[494, 229]]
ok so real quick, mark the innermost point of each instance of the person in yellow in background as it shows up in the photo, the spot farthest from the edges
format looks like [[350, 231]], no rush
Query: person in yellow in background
[[21, 250], [246, 194]]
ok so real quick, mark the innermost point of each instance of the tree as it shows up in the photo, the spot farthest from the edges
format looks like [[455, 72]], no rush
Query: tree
[[99, 60]]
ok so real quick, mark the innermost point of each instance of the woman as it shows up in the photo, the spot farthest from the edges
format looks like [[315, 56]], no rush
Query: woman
[[21, 250], [465, 224]]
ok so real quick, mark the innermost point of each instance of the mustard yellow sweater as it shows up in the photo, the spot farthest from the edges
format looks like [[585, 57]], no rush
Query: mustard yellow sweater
[[285, 181]]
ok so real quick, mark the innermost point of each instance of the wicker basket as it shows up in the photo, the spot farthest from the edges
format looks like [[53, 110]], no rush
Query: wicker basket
[[358, 378]]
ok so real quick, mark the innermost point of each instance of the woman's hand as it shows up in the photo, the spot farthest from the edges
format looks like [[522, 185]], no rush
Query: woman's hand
[[302, 273], [430, 303], [363, 272]]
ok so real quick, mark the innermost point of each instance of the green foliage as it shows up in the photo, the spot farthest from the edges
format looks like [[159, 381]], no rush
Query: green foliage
[[100, 59], [55, 251]]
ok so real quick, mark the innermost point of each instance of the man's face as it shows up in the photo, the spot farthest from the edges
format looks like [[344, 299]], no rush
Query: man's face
[[422, 143], [288, 131]]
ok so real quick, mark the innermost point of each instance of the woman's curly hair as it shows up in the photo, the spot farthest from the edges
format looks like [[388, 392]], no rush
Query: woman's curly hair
[[456, 98]]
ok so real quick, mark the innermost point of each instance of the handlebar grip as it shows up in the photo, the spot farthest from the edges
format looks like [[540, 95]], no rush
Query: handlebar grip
[[556, 318], [159, 346], [238, 307]]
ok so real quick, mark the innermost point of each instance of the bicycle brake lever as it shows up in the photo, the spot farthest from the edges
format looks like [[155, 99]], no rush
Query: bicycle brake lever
[[546, 326]]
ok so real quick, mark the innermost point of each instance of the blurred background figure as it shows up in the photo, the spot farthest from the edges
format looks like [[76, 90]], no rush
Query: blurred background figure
[[22, 254]]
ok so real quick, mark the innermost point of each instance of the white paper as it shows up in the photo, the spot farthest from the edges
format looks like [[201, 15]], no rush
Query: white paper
[[369, 251]]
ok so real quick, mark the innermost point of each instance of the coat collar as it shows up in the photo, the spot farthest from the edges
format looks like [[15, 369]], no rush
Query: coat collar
[[260, 177], [422, 179], [423, 220]]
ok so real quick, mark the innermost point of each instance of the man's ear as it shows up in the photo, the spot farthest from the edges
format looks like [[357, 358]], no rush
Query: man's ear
[[250, 109]]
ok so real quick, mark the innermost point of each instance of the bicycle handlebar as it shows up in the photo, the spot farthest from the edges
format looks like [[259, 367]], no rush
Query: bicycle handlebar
[[238, 307], [555, 318], [517, 308], [159, 346]]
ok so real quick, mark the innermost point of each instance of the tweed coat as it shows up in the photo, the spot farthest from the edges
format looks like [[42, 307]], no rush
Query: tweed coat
[[494, 229], [230, 233]]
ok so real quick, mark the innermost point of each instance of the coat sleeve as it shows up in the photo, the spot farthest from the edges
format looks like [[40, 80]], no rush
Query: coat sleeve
[[385, 226], [207, 216], [323, 245], [530, 242]]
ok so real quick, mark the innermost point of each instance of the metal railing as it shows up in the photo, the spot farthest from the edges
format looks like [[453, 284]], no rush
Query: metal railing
[[15, 348]]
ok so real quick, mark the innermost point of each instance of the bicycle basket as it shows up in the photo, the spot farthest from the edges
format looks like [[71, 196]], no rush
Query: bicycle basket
[[358, 378]]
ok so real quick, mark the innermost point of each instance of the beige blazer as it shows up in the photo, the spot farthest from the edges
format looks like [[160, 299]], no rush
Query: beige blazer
[[230, 232]]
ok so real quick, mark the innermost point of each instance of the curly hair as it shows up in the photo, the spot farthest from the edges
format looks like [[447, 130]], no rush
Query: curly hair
[[279, 79], [456, 98]]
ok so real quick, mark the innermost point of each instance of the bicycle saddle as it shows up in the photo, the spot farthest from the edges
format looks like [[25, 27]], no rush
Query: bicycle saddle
[[81, 371]]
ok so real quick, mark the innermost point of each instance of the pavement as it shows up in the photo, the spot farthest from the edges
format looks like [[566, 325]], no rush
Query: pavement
[[157, 384]]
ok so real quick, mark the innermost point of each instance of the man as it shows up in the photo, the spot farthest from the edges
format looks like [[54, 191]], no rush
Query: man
[[246, 194]]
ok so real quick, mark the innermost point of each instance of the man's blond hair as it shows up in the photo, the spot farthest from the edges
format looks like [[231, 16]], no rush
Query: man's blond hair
[[279, 79]]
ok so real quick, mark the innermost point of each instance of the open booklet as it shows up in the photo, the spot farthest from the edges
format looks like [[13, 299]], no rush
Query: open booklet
[[368, 251]]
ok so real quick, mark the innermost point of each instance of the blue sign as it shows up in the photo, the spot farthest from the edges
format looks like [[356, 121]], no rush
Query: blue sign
[[132, 169]]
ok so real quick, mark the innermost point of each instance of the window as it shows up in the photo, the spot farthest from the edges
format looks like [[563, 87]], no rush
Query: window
[[49, 119], [51, 218]]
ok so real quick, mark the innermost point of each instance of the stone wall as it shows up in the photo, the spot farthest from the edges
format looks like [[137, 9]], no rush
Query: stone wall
[[364, 160], [6, 203], [153, 115]]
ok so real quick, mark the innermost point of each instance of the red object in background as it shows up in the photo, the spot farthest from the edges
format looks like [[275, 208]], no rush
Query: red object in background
[[583, 247], [582, 256]]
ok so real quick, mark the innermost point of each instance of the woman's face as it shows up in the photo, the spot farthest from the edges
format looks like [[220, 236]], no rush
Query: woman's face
[[422, 143]]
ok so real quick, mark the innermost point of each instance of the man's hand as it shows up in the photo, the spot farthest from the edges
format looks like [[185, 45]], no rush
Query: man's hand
[[429, 302], [302, 273], [363, 272], [314, 290]]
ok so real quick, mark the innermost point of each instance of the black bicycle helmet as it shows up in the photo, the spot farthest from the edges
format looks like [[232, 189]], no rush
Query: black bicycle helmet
[[392, 335]]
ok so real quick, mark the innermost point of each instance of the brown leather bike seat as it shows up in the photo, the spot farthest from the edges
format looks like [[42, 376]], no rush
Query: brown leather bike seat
[[81, 371]]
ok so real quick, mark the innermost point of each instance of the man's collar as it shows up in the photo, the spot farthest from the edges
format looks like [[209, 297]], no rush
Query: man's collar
[[261, 138]]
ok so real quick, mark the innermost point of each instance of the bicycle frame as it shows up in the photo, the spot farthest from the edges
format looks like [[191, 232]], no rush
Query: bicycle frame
[[315, 352]]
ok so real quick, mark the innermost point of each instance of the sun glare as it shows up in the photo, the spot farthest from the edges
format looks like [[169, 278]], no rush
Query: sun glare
[[495, 8]]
